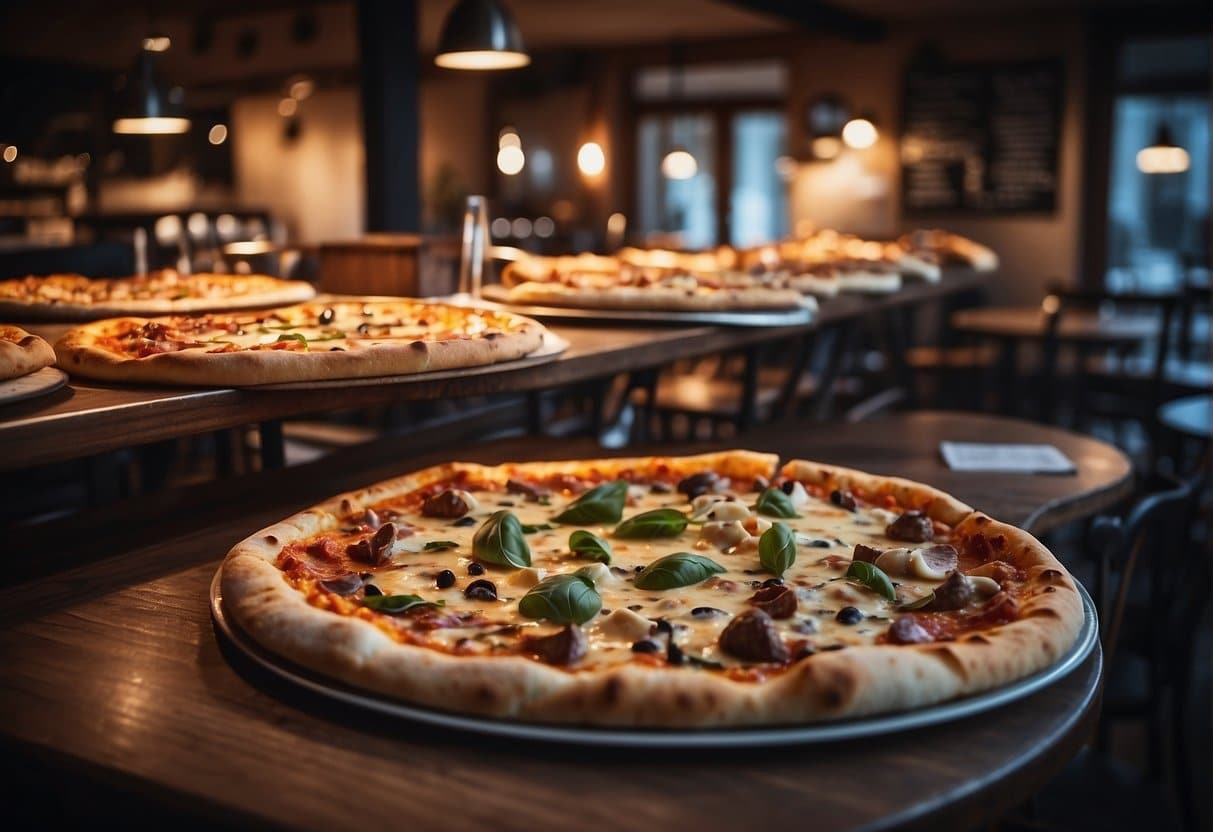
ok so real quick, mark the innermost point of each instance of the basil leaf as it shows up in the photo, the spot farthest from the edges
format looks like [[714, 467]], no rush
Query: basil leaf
[[501, 541], [587, 545], [706, 664], [398, 603], [660, 522], [777, 549], [335, 335], [775, 503], [439, 545], [873, 578], [531, 528], [291, 336], [680, 569], [603, 504], [921, 603], [563, 599]]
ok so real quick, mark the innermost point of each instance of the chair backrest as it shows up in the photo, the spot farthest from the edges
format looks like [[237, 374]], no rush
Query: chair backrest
[[1148, 544]]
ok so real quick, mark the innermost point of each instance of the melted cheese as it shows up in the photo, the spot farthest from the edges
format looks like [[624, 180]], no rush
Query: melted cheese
[[826, 536]]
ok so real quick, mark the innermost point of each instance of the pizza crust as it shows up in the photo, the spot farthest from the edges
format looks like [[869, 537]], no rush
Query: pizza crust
[[81, 351], [656, 298], [22, 353], [854, 682], [270, 291]]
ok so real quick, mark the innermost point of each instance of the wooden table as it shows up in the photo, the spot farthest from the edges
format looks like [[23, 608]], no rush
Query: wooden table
[[89, 418], [113, 674], [1030, 323]]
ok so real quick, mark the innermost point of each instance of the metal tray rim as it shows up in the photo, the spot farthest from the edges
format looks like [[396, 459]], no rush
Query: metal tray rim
[[1085, 642]]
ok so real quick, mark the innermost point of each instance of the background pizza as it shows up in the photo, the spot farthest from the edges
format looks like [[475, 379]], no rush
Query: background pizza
[[73, 297], [352, 338]]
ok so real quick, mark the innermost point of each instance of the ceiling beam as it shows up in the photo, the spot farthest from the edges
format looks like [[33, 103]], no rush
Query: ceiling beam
[[819, 16]]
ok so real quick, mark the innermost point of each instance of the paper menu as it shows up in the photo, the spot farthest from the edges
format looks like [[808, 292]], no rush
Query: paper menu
[[1005, 458]]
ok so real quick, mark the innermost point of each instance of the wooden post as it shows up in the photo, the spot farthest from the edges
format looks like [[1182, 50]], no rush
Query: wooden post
[[388, 56]]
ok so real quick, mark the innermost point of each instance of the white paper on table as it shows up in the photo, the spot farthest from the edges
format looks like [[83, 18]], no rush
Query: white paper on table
[[1006, 458]]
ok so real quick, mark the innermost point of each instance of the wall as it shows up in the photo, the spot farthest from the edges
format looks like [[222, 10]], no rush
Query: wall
[[314, 184], [860, 192]]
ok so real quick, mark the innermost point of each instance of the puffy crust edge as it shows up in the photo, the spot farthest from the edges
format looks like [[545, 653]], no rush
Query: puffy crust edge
[[937, 504], [78, 353], [832, 685], [21, 352], [657, 298]]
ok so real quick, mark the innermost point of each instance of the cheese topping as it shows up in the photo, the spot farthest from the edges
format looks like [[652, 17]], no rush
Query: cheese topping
[[829, 610]]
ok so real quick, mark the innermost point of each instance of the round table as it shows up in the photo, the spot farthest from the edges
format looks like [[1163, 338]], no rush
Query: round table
[[139, 693], [1026, 323]]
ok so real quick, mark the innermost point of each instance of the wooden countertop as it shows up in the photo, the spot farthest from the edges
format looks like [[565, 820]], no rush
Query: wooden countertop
[[112, 670], [88, 418]]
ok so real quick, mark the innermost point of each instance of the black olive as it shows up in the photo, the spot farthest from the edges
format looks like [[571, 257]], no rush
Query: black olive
[[446, 579], [364, 329], [788, 487], [849, 615], [481, 591], [634, 607], [640, 568], [820, 544], [645, 646], [843, 499], [697, 484], [465, 521], [661, 488], [475, 569], [371, 589], [773, 582], [326, 317], [663, 626], [674, 654], [704, 612]]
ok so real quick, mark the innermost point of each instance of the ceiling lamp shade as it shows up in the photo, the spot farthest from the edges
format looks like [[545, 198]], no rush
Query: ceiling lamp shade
[[679, 164], [859, 133], [481, 35], [1164, 156], [145, 106]]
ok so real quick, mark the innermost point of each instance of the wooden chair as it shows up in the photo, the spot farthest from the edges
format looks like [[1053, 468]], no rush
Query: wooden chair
[[1152, 587]]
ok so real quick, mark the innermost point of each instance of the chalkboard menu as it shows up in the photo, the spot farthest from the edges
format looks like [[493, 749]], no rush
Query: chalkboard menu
[[981, 137]]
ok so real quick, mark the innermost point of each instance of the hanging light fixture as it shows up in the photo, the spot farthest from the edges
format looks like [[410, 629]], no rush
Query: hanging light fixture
[[679, 163], [1164, 156], [480, 34], [859, 133], [146, 106], [591, 161]]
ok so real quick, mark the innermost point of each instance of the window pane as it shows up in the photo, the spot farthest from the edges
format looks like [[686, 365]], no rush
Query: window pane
[[758, 203], [677, 213]]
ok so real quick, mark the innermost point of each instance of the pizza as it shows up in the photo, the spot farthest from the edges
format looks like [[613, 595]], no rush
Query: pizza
[[73, 297], [350, 338], [666, 592], [950, 248], [596, 282], [22, 353]]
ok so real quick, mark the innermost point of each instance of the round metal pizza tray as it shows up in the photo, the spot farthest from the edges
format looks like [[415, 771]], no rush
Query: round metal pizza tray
[[1088, 637], [553, 345], [495, 298], [37, 383]]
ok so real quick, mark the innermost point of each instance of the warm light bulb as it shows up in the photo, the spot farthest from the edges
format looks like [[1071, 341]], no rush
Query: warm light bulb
[[217, 134], [679, 164], [482, 59], [590, 159], [1162, 159], [302, 89], [859, 133], [826, 147], [157, 43], [509, 137], [10, 153], [158, 125], [510, 160], [287, 107]]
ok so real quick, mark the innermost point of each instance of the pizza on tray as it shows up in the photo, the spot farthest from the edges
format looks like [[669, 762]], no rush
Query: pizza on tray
[[73, 297], [713, 590], [22, 353], [318, 341], [596, 282]]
